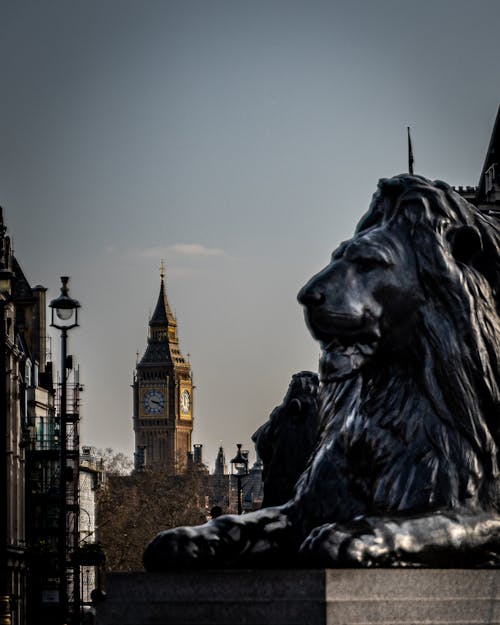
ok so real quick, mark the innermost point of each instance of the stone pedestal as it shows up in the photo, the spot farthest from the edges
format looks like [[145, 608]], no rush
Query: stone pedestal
[[303, 597]]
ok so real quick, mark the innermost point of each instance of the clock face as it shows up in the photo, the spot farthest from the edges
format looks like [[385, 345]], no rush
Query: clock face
[[185, 402], [154, 402]]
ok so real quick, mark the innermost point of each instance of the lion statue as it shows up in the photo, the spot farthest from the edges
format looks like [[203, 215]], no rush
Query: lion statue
[[406, 466], [285, 442]]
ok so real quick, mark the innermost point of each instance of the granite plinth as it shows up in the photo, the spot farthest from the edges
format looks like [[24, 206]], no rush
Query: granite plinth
[[303, 597]]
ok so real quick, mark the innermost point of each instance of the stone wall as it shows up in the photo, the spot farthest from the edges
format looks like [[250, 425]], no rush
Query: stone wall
[[303, 597]]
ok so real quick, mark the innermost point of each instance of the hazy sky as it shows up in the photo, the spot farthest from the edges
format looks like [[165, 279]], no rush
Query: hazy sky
[[240, 141]]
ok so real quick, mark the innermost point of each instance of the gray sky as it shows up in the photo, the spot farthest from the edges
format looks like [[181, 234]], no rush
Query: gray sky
[[239, 141]]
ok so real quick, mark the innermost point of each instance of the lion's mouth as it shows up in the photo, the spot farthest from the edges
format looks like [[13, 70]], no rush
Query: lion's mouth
[[327, 326], [347, 341], [367, 348]]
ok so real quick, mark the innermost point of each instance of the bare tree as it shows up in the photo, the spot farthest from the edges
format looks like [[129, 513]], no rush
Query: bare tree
[[133, 508], [114, 463]]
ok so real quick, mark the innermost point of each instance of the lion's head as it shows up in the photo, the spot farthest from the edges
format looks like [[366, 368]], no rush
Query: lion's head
[[366, 299], [417, 290], [418, 241]]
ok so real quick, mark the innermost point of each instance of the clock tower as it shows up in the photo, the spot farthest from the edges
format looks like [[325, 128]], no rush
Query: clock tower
[[163, 394]]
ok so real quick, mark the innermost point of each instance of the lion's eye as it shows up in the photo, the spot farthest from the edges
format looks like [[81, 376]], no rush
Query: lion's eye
[[364, 265]]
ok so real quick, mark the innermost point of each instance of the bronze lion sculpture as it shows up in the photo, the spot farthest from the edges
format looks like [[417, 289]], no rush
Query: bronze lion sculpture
[[286, 441], [406, 467]]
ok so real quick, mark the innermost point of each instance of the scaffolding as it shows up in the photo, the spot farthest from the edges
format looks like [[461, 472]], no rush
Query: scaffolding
[[49, 478], [71, 478]]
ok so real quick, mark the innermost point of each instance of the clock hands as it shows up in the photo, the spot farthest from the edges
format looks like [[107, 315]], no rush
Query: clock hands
[[185, 402], [154, 402]]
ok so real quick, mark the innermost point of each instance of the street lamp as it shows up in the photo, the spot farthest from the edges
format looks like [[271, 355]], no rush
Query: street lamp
[[64, 317], [239, 468]]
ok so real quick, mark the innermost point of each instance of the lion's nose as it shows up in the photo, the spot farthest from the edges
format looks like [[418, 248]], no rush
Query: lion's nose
[[311, 296]]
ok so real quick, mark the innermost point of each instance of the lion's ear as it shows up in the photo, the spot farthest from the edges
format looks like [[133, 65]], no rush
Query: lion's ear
[[465, 243]]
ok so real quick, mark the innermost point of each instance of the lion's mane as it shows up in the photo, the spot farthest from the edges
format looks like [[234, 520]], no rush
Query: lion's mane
[[458, 340]]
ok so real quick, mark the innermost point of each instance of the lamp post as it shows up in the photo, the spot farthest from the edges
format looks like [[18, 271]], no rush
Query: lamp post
[[64, 317], [239, 468]]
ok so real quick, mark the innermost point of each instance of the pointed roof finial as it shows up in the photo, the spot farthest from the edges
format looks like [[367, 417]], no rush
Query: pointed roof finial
[[162, 312]]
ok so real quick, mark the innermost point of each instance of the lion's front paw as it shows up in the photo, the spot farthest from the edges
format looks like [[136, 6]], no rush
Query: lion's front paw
[[180, 547], [323, 545], [334, 545]]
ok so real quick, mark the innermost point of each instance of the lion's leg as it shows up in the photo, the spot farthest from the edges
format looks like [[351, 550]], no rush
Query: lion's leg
[[439, 539], [229, 539]]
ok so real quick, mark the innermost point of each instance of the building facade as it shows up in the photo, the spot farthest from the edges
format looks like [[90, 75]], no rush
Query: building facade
[[32, 486], [12, 440], [486, 196], [91, 481], [162, 394], [223, 486]]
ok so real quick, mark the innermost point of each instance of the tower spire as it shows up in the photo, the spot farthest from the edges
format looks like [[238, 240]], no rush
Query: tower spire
[[162, 313]]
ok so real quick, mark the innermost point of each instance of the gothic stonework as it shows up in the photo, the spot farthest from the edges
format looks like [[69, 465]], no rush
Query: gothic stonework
[[163, 394]]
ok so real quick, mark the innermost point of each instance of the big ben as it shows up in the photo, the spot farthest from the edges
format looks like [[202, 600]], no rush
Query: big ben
[[163, 394]]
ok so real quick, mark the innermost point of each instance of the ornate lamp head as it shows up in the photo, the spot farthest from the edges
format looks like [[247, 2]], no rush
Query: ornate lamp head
[[239, 464], [64, 308]]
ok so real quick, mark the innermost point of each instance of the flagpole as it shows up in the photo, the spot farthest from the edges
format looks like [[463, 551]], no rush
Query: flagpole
[[410, 153]]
